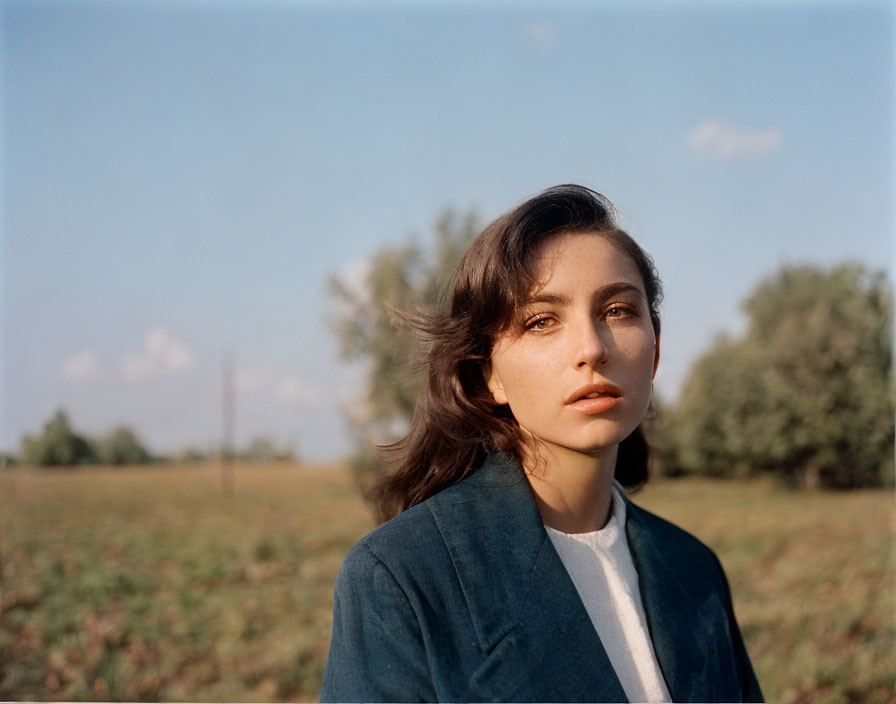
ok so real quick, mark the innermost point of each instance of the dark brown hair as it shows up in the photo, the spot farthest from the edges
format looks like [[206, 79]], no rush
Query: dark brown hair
[[456, 421]]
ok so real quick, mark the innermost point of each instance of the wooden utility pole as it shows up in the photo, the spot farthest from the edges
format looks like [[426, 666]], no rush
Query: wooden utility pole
[[227, 423]]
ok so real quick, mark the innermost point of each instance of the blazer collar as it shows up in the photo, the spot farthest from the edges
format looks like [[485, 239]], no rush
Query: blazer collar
[[677, 613], [522, 599], [529, 620], [494, 534]]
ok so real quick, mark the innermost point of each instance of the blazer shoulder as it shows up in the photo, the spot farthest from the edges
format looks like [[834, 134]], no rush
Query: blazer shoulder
[[678, 545], [402, 529], [378, 650], [420, 536], [405, 544], [676, 568], [666, 530]]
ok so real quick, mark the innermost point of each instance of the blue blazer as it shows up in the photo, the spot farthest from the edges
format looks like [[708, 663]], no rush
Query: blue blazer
[[464, 598]]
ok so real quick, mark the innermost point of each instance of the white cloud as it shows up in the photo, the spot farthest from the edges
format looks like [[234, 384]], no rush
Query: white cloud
[[250, 379], [81, 366], [353, 278], [541, 33], [727, 141], [289, 387], [292, 388], [162, 354]]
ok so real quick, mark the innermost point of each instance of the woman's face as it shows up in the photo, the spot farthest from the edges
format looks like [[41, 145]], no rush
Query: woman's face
[[577, 368]]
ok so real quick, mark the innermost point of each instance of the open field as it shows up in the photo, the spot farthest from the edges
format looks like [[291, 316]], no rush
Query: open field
[[150, 584]]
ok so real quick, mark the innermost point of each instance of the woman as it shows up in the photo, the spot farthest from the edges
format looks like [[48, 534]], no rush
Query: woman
[[514, 568]]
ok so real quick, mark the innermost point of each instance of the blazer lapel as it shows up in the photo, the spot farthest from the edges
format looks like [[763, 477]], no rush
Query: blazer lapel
[[681, 616], [537, 639]]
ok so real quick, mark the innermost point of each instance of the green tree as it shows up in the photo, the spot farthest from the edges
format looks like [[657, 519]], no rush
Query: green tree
[[657, 432], [263, 449], [122, 446], [260, 449], [805, 393], [191, 454], [57, 444], [397, 277]]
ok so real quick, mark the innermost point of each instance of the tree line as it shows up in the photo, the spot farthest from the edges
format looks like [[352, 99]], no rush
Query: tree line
[[58, 444], [805, 394]]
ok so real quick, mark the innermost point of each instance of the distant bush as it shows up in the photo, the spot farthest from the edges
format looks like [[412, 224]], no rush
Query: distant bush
[[191, 454], [122, 446], [263, 449], [805, 393], [58, 445]]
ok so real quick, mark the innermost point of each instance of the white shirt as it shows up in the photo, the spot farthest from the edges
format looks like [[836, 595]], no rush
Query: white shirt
[[600, 565]]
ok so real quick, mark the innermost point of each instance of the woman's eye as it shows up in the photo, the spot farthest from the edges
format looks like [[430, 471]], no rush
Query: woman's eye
[[619, 311], [540, 324]]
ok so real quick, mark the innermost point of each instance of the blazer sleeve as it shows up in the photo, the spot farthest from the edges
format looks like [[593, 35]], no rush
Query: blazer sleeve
[[377, 653], [749, 685]]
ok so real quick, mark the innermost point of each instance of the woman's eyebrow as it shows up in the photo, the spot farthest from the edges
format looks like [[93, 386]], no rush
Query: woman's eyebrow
[[615, 289], [602, 293], [556, 299]]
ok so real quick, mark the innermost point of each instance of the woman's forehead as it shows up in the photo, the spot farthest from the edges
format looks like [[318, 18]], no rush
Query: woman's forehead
[[583, 258]]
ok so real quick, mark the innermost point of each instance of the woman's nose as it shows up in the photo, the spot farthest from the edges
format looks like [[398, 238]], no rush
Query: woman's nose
[[592, 349]]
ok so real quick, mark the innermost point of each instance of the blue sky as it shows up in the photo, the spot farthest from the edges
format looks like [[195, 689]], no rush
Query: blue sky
[[182, 178]]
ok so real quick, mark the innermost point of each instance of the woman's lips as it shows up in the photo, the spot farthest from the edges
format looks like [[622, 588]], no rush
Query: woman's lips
[[593, 406], [594, 398]]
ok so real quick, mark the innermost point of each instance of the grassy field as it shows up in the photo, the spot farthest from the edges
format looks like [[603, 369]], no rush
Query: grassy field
[[150, 584]]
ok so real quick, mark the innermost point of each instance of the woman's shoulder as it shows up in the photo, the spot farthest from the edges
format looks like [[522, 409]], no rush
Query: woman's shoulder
[[663, 529], [471, 505], [680, 550], [400, 546], [399, 530]]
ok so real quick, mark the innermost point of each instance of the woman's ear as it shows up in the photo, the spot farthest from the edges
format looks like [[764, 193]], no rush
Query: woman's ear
[[656, 356], [494, 383]]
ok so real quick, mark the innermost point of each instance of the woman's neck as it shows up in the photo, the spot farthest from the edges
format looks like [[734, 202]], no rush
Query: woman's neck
[[573, 491]]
